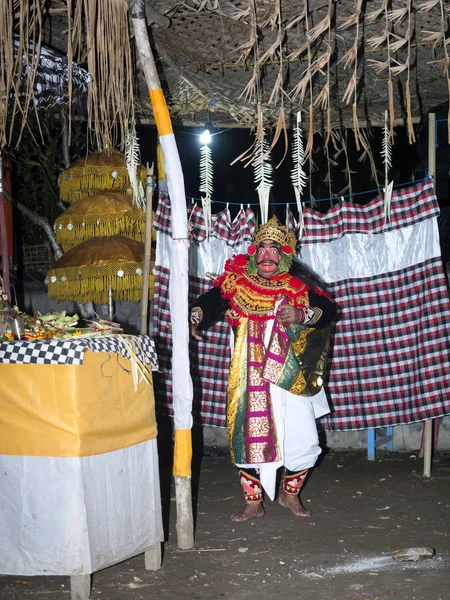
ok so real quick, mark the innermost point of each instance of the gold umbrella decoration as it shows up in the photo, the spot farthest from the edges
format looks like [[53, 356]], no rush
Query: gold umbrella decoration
[[94, 173], [99, 270], [105, 214]]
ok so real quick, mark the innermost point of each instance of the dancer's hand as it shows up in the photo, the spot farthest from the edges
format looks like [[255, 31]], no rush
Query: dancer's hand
[[288, 315], [195, 334]]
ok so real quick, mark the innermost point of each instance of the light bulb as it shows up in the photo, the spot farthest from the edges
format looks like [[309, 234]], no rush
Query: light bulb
[[205, 137]]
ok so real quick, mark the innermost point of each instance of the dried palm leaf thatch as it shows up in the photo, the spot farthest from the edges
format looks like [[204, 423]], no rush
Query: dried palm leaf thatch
[[310, 139], [400, 68], [433, 37], [399, 41], [354, 18], [281, 128], [350, 89], [378, 40], [277, 48], [110, 98], [277, 90], [378, 65], [96, 33], [23, 20], [409, 123], [315, 32], [348, 171], [367, 154], [105, 214], [296, 20], [398, 14], [323, 98], [300, 89], [87, 271], [374, 14], [350, 56], [96, 172], [241, 13], [428, 5]]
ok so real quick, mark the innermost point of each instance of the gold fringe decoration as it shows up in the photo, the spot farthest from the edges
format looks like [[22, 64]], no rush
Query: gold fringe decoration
[[97, 172], [90, 284], [105, 214], [86, 272], [71, 231]]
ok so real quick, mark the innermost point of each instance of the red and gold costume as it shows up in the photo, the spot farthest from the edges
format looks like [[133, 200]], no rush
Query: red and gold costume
[[266, 353]]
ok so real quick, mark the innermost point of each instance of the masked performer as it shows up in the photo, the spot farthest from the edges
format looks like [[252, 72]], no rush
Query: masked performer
[[281, 319]]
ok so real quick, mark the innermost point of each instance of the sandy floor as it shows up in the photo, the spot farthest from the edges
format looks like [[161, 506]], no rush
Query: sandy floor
[[362, 512]]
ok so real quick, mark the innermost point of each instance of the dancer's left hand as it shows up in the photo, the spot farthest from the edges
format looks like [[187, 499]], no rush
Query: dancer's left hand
[[288, 315]]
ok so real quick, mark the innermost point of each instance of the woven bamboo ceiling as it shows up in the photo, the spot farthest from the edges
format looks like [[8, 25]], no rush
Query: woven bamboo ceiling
[[341, 62], [343, 57]]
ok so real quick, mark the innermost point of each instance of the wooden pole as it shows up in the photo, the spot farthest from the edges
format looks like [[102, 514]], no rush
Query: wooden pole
[[178, 283], [4, 236], [428, 435], [148, 249]]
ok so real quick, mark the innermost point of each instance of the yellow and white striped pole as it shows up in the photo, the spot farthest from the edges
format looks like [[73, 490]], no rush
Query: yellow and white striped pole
[[178, 285]]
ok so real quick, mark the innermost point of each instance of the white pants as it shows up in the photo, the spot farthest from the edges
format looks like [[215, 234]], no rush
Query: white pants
[[298, 441]]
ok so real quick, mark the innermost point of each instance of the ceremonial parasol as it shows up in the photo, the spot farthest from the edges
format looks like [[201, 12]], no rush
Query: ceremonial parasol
[[94, 173], [99, 270], [105, 214]]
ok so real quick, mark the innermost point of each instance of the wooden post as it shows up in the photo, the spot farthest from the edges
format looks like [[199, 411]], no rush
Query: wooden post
[[148, 250], [4, 236], [428, 436]]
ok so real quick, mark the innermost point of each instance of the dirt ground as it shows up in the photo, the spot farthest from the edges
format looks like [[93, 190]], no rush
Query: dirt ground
[[362, 512]]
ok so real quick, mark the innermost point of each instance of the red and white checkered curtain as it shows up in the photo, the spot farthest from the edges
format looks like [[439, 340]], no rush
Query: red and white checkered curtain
[[391, 349], [210, 359], [391, 346]]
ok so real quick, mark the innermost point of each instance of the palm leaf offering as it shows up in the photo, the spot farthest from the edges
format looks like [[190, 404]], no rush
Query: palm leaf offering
[[206, 183], [263, 176], [298, 175]]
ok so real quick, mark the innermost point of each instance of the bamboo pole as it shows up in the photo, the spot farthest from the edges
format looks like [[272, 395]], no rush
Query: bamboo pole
[[428, 425], [147, 249], [178, 283], [3, 237]]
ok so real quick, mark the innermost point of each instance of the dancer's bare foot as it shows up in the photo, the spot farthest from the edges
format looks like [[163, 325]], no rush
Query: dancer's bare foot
[[251, 510], [293, 502]]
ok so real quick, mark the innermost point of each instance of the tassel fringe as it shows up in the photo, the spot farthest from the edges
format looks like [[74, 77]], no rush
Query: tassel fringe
[[91, 283]]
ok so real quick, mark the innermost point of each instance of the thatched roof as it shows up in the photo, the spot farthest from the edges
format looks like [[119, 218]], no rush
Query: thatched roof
[[341, 62], [327, 49]]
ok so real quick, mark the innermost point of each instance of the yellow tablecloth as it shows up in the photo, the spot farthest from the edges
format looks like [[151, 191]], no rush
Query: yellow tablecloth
[[74, 411]]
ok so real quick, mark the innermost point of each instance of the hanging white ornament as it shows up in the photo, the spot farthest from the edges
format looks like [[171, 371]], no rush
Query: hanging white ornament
[[133, 160], [263, 176], [298, 175], [386, 153], [206, 183]]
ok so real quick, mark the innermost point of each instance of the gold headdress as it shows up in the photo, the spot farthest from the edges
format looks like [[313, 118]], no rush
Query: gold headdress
[[275, 232]]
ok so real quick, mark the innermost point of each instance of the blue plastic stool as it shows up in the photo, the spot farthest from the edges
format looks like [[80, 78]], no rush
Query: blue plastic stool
[[373, 443]]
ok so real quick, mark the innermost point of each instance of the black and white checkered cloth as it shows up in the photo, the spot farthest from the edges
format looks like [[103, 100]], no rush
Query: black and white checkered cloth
[[71, 352]]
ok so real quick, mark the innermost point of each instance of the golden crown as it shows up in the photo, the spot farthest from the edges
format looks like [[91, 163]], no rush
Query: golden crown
[[275, 232]]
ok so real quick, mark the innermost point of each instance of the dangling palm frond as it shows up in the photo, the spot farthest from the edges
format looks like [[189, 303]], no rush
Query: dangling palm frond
[[263, 176], [298, 175], [206, 183], [133, 160]]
